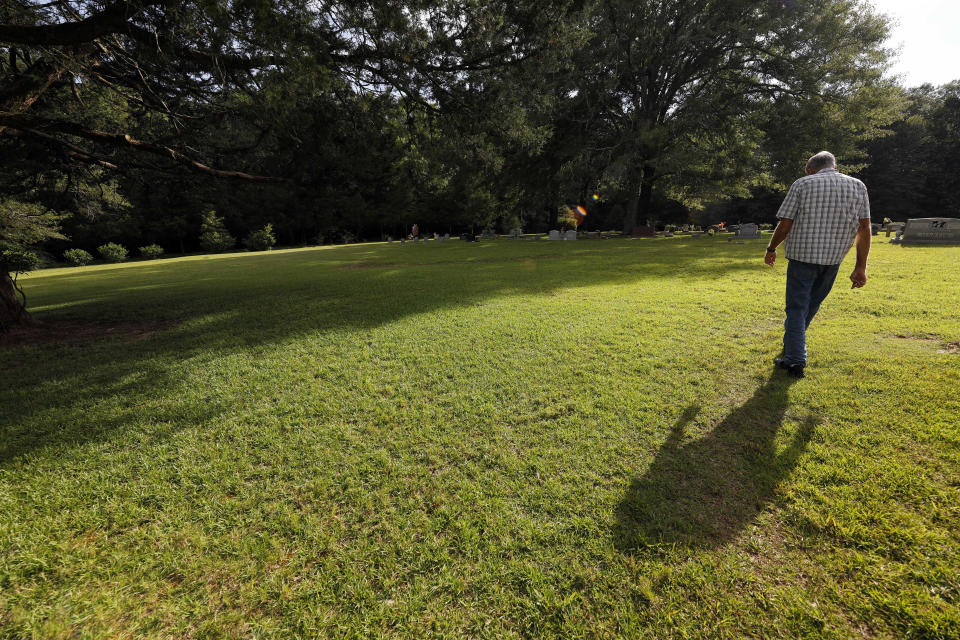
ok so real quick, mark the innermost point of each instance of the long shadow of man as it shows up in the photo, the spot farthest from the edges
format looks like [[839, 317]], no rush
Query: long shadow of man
[[704, 492]]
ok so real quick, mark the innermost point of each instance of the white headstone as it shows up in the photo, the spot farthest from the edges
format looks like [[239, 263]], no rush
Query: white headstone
[[554, 234], [570, 235], [931, 231]]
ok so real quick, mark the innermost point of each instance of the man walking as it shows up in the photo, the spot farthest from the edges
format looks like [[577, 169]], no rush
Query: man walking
[[822, 216]]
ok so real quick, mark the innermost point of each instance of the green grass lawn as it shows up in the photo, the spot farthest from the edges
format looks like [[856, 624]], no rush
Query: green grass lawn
[[504, 440]]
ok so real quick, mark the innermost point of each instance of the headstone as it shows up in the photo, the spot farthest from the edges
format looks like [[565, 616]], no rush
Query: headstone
[[467, 237], [668, 234], [389, 239], [643, 232], [570, 235], [554, 234], [748, 230], [403, 240], [446, 236], [893, 227], [875, 229], [516, 232], [931, 231], [488, 234], [441, 239]]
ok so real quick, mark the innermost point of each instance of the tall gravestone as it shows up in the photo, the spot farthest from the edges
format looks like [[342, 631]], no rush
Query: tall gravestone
[[748, 230], [931, 231]]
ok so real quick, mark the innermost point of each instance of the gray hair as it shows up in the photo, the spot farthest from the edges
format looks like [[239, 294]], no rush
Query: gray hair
[[822, 160]]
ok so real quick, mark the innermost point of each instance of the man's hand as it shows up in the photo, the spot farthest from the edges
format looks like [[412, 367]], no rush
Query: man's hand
[[779, 235], [858, 277]]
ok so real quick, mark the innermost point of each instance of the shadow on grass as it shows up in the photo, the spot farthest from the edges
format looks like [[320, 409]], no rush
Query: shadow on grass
[[232, 304], [704, 492]]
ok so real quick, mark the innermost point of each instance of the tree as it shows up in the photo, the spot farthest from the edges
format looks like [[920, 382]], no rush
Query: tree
[[22, 226], [213, 233], [913, 170], [687, 91], [145, 87]]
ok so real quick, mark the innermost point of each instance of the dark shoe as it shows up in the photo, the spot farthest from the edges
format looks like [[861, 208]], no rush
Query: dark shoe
[[795, 370]]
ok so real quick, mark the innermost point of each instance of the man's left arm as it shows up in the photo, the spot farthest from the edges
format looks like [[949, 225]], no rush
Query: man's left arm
[[864, 239]]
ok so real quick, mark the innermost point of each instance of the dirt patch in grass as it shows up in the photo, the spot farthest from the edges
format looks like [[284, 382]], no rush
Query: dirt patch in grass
[[948, 347], [73, 332], [929, 337], [951, 347], [370, 265]]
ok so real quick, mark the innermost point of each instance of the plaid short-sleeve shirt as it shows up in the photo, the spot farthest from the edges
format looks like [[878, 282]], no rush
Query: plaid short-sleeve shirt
[[826, 209]]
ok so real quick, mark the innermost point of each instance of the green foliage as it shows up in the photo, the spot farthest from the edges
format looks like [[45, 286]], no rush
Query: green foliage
[[24, 225], [112, 252], [151, 252], [77, 257], [18, 261], [262, 240], [912, 171], [213, 233]]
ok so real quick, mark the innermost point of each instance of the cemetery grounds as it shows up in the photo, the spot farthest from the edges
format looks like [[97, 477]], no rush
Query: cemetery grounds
[[508, 439]]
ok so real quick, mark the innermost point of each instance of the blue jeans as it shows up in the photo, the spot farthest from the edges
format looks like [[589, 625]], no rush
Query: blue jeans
[[807, 286]]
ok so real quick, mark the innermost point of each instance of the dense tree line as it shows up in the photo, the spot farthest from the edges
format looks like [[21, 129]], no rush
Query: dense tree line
[[131, 120]]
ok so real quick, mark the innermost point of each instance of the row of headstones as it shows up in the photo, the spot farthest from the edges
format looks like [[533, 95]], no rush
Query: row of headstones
[[554, 234], [919, 230], [418, 240]]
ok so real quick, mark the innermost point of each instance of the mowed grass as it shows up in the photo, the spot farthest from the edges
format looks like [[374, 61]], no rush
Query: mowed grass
[[504, 440]]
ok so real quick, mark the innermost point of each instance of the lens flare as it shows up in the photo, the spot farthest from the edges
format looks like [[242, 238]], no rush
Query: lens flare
[[596, 197], [582, 210]]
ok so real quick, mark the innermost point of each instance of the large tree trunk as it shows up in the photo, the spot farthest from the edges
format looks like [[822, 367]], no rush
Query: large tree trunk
[[630, 217], [12, 313], [646, 193], [638, 208]]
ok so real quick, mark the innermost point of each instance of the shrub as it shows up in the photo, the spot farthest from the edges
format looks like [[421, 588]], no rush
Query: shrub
[[151, 251], [112, 252], [77, 257], [213, 233], [262, 240]]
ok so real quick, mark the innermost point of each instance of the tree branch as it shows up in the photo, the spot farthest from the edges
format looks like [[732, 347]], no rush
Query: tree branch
[[110, 20], [26, 122]]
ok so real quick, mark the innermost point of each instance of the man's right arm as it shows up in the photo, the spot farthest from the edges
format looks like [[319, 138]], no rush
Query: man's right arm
[[779, 235], [788, 211]]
